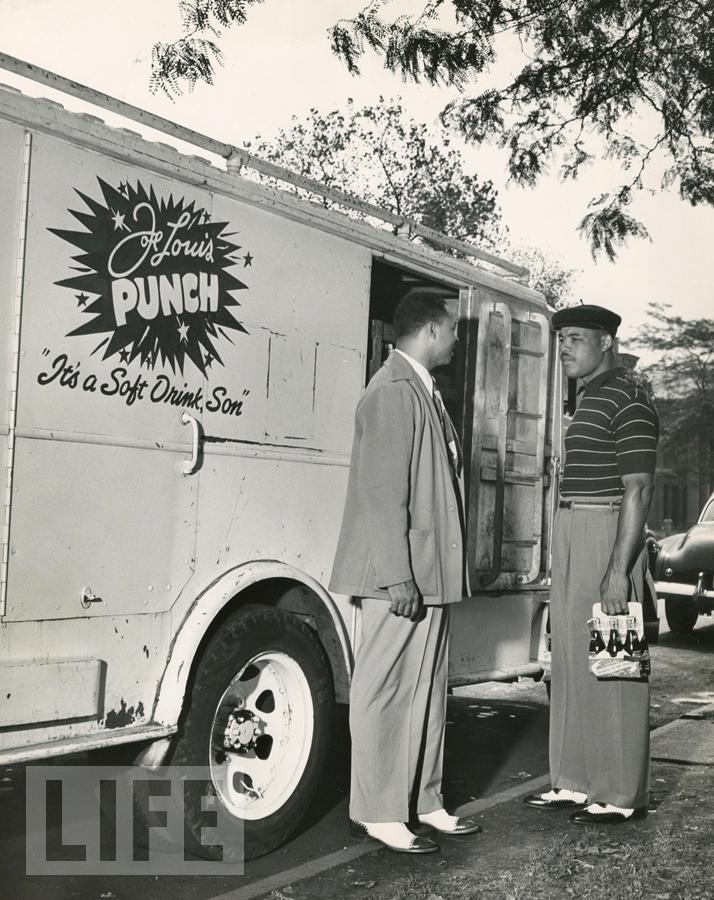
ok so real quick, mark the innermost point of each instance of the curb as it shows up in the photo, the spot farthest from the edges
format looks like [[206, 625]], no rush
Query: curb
[[355, 851], [679, 741]]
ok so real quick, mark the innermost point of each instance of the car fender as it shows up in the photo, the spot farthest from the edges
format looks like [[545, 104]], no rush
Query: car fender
[[686, 554]]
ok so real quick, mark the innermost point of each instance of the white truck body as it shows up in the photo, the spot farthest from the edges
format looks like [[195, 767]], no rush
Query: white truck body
[[183, 351]]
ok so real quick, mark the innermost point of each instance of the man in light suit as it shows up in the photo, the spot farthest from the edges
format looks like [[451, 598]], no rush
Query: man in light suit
[[401, 551]]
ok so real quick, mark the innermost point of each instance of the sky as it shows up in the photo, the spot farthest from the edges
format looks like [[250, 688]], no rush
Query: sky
[[280, 64]]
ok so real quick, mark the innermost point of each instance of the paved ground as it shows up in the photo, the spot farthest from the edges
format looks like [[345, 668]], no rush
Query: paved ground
[[682, 770], [496, 751], [504, 728]]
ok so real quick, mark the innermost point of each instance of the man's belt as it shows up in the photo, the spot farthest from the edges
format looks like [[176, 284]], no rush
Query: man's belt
[[589, 504]]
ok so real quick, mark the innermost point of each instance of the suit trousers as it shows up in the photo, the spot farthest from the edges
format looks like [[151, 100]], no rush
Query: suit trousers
[[599, 730], [398, 713]]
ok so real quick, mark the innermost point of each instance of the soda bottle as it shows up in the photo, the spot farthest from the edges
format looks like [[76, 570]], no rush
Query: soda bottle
[[632, 642], [644, 646], [645, 656], [614, 644], [597, 644]]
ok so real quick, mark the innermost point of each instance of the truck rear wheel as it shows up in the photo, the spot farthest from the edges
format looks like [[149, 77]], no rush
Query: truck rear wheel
[[259, 718], [681, 615]]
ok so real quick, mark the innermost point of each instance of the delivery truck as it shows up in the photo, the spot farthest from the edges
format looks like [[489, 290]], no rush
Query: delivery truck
[[183, 351]]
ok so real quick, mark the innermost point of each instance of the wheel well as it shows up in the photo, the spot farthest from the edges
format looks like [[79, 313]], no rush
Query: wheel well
[[297, 598]]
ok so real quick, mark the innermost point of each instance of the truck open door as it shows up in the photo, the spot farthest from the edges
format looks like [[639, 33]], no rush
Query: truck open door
[[509, 423]]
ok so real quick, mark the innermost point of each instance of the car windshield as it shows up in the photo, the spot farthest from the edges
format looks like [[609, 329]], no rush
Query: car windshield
[[708, 512]]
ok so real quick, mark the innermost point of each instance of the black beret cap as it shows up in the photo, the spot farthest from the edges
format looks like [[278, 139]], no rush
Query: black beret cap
[[587, 316]]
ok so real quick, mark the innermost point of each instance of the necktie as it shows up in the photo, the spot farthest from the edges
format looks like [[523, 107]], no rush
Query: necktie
[[447, 430]]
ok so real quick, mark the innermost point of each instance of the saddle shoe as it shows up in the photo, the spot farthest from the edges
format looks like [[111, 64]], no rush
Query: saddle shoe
[[445, 823], [393, 835], [606, 814], [558, 798]]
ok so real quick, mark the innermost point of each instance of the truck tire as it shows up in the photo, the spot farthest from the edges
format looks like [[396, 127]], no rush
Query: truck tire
[[258, 716], [681, 615]]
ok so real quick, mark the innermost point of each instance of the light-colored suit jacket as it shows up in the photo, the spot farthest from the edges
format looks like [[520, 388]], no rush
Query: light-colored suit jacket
[[402, 514]]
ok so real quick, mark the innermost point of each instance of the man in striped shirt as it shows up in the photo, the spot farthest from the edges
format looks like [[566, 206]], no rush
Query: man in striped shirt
[[599, 730]]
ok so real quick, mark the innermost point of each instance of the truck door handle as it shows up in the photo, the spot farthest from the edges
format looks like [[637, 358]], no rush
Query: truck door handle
[[191, 465]]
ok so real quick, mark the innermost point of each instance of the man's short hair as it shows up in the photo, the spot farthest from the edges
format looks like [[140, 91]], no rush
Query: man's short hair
[[418, 307]]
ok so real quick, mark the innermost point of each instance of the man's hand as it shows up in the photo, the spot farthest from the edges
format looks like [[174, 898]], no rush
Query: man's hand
[[614, 593], [406, 600]]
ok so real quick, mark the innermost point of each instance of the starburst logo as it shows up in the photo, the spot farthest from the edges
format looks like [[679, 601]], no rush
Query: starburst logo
[[154, 280]]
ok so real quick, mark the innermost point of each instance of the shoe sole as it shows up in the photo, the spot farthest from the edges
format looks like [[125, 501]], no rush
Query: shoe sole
[[477, 829], [556, 804]]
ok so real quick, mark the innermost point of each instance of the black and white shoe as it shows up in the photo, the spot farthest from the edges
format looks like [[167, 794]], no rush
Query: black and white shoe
[[558, 798], [607, 814], [393, 835], [445, 823]]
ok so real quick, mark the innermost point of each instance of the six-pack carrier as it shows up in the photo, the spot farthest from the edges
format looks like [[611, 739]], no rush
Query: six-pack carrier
[[183, 351]]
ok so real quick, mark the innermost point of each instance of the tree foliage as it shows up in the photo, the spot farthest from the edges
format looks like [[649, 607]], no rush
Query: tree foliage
[[547, 274], [683, 378], [381, 155], [192, 57], [591, 71]]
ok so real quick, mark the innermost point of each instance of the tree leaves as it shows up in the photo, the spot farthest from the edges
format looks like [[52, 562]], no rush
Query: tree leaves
[[591, 71], [380, 154], [609, 226], [192, 58], [477, 118], [594, 67], [547, 275], [683, 377], [411, 48]]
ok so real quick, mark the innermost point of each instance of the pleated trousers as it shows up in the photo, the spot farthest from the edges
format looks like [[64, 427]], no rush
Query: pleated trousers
[[599, 730], [398, 713]]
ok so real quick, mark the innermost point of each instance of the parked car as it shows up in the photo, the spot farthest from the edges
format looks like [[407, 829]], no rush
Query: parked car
[[683, 569]]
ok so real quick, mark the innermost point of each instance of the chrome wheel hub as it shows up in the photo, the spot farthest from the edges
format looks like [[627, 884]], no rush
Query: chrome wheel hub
[[261, 736]]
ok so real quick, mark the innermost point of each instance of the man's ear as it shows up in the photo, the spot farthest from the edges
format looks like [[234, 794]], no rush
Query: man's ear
[[606, 342]]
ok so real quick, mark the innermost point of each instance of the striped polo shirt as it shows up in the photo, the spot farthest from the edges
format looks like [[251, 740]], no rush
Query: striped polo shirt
[[614, 432]]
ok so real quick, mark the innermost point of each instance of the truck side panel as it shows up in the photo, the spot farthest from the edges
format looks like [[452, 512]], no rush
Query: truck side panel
[[98, 487], [146, 299], [311, 292]]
